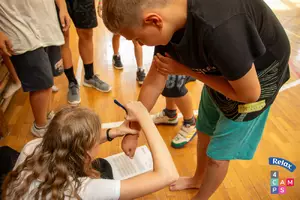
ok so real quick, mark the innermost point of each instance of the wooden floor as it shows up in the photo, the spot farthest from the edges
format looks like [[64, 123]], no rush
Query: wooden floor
[[247, 180]]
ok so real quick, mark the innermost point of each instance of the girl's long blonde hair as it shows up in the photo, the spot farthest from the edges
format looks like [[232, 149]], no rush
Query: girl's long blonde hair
[[60, 160]]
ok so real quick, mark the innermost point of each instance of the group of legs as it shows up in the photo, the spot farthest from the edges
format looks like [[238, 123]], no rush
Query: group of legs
[[40, 99], [138, 52]]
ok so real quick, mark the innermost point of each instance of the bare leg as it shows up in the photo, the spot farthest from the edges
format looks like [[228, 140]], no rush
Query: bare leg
[[170, 103], [86, 45], [66, 51], [116, 43], [39, 101], [202, 160], [11, 69], [138, 51], [185, 106], [216, 172]]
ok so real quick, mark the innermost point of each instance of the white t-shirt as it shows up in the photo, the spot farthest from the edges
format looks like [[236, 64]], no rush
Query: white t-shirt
[[91, 189], [30, 24]]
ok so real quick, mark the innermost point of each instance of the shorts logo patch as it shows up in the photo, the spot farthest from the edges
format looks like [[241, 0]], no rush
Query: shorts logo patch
[[252, 107]]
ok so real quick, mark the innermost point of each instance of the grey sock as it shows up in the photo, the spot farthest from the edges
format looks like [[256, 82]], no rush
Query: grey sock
[[191, 121], [170, 113]]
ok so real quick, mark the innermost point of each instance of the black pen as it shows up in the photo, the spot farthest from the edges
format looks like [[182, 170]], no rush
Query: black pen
[[119, 104]]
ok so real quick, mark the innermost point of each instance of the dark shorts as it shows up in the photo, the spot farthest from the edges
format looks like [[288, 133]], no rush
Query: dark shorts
[[175, 86], [36, 68], [83, 13]]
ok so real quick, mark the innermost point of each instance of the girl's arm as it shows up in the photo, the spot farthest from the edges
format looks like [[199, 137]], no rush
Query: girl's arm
[[164, 171]]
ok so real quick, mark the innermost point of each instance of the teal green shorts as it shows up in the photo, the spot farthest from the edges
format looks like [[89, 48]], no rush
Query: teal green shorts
[[230, 140]]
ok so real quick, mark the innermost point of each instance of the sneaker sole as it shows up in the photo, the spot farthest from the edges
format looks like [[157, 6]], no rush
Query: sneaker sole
[[119, 68], [74, 102], [91, 86], [140, 82], [178, 146], [166, 123]]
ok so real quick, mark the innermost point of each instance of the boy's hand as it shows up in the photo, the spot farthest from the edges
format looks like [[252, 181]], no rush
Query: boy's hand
[[5, 45], [65, 19], [167, 65]]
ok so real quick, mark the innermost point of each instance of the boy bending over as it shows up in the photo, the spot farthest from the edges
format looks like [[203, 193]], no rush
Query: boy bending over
[[238, 49]]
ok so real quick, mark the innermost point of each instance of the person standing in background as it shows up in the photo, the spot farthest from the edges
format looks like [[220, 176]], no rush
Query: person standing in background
[[83, 14], [33, 45]]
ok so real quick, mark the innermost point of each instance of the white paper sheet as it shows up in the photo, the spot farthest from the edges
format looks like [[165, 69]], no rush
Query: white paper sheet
[[123, 167]]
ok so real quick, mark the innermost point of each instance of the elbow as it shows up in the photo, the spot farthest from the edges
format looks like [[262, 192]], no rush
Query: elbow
[[171, 176], [251, 97]]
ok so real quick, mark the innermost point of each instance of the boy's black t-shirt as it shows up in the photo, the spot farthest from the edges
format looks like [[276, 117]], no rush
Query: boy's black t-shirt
[[224, 38]]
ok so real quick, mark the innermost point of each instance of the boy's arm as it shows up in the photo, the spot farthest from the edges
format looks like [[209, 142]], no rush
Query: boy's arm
[[152, 87], [150, 91], [245, 89], [5, 45]]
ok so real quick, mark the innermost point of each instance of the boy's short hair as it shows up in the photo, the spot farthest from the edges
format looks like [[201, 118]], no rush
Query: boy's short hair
[[117, 14]]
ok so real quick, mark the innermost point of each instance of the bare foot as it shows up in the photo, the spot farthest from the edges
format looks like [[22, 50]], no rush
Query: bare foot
[[185, 183]]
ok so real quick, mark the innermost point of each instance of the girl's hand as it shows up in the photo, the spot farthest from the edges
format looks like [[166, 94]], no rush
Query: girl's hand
[[136, 111], [123, 130]]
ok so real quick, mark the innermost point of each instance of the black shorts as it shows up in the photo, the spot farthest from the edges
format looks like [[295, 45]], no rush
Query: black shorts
[[36, 68], [83, 13], [175, 86]]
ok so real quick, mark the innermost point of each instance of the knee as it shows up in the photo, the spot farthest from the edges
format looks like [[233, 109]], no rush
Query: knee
[[86, 34], [217, 163]]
